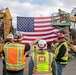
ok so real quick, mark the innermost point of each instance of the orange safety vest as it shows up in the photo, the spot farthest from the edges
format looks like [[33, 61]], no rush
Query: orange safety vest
[[14, 56]]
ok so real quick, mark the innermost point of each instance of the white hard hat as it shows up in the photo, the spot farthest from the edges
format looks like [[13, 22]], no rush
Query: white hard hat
[[10, 36], [42, 44]]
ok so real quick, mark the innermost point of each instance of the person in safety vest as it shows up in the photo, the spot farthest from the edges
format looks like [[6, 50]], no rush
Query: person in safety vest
[[61, 54], [8, 40], [62, 15], [15, 58], [42, 61]]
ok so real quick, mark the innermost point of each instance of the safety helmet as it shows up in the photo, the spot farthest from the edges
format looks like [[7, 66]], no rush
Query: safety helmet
[[17, 37], [10, 36], [42, 44], [60, 36]]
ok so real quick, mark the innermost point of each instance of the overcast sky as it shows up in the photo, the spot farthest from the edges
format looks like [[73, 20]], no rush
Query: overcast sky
[[34, 8]]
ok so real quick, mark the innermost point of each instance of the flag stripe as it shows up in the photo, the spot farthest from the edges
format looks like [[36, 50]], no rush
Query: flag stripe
[[39, 33], [33, 38], [48, 17], [42, 28], [49, 41]]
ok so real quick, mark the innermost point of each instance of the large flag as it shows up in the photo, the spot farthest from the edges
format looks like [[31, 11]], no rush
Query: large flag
[[34, 27]]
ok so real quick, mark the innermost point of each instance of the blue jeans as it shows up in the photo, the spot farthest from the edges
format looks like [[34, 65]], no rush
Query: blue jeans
[[31, 66], [4, 68], [60, 69], [54, 67]]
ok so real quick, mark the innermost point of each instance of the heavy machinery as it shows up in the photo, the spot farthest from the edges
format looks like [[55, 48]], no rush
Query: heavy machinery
[[62, 20], [5, 24], [73, 16]]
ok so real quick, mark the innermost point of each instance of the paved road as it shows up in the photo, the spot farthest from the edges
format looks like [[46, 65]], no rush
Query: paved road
[[69, 70], [71, 67]]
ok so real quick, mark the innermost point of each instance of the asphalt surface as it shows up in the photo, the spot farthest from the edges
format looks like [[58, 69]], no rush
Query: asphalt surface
[[70, 69]]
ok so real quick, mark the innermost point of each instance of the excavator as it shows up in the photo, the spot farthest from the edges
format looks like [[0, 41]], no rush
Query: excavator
[[5, 24], [73, 16], [63, 23]]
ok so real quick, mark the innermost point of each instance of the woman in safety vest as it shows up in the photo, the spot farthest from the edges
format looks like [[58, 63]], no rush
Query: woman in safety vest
[[61, 54], [15, 55], [42, 61]]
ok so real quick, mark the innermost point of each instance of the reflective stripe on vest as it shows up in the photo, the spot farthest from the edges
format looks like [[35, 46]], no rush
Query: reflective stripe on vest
[[42, 72], [65, 57], [14, 57], [42, 67]]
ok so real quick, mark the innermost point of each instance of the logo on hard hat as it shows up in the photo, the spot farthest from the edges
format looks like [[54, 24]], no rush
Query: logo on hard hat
[[42, 44]]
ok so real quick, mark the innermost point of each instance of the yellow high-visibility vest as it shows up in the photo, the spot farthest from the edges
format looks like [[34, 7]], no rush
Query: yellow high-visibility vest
[[36, 48], [42, 63], [65, 57]]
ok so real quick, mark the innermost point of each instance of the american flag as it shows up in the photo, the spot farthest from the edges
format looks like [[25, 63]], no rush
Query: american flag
[[34, 27]]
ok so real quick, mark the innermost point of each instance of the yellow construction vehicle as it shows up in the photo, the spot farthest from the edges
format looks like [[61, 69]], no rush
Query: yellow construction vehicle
[[5, 23], [73, 15], [64, 23]]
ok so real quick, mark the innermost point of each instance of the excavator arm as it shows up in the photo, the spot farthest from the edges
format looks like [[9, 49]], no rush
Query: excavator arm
[[71, 46], [5, 29], [7, 23]]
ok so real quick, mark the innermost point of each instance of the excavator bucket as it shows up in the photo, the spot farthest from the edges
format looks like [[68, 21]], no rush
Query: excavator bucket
[[8, 15]]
